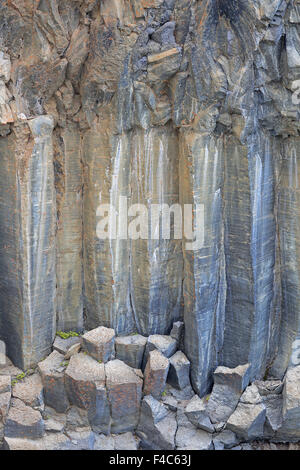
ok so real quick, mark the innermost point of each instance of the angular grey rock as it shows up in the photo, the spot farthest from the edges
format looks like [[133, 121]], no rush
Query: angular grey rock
[[269, 387], [251, 395], [165, 34], [100, 343], [237, 378], [130, 349], [179, 371], [80, 440], [188, 437], [156, 373], [227, 439], [274, 405], [52, 373], [157, 426], [153, 410], [77, 418], [290, 430], [247, 421], [63, 345], [30, 391], [177, 333], [82, 376], [85, 386], [164, 65], [23, 422], [186, 393], [229, 385], [196, 413], [53, 426], [170, 402], [103, 442], [74, 349], [165, 344], [51, 441], [126, 441], [125, 393]]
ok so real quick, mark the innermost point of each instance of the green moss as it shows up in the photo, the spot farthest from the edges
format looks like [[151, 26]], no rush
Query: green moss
[[20, 377], [66, 334]]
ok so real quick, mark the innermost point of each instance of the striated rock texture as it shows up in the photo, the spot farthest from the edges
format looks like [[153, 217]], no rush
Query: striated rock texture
[[160, 102]]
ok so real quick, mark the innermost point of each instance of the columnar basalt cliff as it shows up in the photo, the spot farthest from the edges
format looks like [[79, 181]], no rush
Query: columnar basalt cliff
[[161, 102]]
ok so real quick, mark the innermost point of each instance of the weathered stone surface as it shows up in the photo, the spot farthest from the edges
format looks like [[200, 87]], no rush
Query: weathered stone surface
[[85, 387], [157, 426], [269, 387], [23, 422], [163, 343], [177, 333], [125, 392], [130, 349], [188, 437], [179, 371], [5, 383], [156, 373], [27, 284], [74, 349], [30, 391], [227, 439], [274, 405], [161, 102], [248, 421], [63, 345], [228, 387], [69, 183], [251, 395], [126, 441], [52, 373], [196, 413], [100, 343], [291, 407]]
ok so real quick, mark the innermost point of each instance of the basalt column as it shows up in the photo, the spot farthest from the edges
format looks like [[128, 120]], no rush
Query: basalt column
[[69, 183], [27, 249]]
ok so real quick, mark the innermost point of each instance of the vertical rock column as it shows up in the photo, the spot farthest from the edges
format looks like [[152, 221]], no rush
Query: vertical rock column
[[253, 287], [68, 182], [27, 247], [204, 289], [289, 230], [156, 263]]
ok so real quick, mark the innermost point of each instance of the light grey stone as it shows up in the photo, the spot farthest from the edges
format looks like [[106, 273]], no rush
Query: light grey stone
[[157, 426], [229, 385], [22, 421], [100, 343], [227, 438], [196, 413], [126, 441], [251, 395], [290, 429], [63, 345], [247, 421], [163, 343], [30, 391]]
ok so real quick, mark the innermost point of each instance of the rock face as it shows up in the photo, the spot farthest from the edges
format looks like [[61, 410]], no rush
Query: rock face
[[153, 102]]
